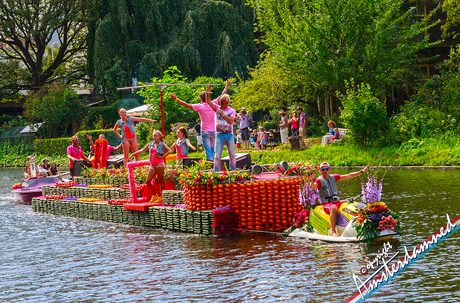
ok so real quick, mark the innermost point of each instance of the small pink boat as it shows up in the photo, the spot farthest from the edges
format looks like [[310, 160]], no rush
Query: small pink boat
[[32, 187]]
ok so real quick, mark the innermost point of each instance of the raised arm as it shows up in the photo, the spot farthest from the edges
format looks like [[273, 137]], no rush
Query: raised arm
[[90, 138], [183, 103], [142, 119], [227, 85], [354, 174], [208, 98]]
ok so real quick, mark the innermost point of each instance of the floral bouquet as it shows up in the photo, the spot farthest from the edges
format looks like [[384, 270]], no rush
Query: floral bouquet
[[309, 199], [376, 216], [301, 169], [194, 176]]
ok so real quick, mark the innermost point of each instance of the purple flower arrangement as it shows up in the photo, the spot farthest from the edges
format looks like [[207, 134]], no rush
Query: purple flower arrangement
[[308, 197], [371, 190]]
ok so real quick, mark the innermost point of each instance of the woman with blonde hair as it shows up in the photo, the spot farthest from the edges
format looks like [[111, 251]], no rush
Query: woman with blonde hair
[[128, 133]]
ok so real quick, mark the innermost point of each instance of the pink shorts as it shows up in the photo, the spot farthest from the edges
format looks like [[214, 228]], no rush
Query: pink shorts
[[327, 206]]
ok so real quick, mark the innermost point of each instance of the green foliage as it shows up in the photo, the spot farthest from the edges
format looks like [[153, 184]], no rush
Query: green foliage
[[26, 30], [326, 43], [141, 39], [452, 10], [52, 147], [173, 111], [58, 106], [270, 87], [107, 116], [435, 109], [14, 155], [364, 115]]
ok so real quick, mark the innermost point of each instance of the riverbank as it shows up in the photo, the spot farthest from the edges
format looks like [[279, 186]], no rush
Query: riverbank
[[429, 153]]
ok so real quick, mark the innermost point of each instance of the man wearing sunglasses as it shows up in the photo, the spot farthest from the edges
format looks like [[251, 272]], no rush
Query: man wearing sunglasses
[[327, 190], [74, 152]]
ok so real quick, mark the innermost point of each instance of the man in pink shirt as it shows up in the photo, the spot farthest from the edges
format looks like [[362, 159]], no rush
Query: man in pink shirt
[[208, 119], [74, 152]]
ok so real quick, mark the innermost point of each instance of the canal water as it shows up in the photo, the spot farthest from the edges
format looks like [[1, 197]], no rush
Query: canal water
[[45, 258]]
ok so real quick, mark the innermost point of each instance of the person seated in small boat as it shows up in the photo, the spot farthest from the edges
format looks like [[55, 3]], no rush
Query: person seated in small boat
[[327, 190], [45, 167], [109, 147], [53, 171]]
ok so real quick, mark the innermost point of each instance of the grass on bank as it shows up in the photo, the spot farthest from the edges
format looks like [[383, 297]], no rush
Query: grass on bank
[[428, 152]]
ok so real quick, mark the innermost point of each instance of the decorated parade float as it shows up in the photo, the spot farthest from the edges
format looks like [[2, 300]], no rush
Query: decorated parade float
[[195, 200], [366, 221]]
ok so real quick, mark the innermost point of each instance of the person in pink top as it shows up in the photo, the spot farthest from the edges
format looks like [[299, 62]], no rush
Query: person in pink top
[[208, 119], [109, 147], [294, 121], [158, 151], [74, 152]]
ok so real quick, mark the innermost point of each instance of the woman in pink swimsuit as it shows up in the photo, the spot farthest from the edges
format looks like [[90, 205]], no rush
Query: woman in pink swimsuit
[[157, 156]]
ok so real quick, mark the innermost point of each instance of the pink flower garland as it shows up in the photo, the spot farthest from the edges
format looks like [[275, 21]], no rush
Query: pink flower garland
[[132, 181]]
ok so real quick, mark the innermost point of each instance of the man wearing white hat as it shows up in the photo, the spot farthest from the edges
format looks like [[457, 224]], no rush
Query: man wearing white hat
[[327, 190]]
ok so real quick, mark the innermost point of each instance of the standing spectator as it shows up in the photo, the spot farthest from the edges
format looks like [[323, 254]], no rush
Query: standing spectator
[[128, 134], [74, 152], [208, 119], [255, 139], [244, 127], [199, 139], [238, 140], [225, 117], [262, 137], [294, 121], [284, 131], [271, 139], [303, 123]]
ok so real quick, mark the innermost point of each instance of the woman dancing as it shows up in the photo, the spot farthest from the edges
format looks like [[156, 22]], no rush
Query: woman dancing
[[157, 154], [128, 134]]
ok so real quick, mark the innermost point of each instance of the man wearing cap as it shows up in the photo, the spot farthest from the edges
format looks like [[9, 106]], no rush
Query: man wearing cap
[[244, 127], [327, 190], [74, 152]]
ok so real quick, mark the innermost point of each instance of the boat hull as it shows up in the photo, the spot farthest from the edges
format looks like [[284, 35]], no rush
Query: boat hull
[[26, 196], [386, 234]]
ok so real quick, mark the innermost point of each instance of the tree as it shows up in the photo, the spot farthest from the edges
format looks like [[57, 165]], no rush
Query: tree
[[452, 10], [330, 42], [26, 30], [58, 106], [143, 38], [174, 112], [270, 87]]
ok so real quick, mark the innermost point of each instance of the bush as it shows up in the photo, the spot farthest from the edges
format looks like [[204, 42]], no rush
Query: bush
[[51, 146], [364, 115], [59, 146]]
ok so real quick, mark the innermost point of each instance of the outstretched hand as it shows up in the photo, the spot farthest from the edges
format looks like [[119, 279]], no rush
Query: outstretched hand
[[366, 169], [173, 96], [89, 137], [208, 89], [228, 83]]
